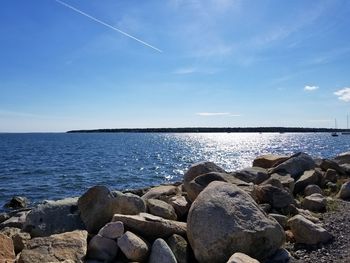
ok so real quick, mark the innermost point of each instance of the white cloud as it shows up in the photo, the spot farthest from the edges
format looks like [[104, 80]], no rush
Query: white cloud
[[343, 94], [311, 88], [184, 71], [209, 114]]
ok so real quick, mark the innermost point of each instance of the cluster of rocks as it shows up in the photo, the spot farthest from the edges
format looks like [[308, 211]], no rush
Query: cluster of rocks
[[212, 216]]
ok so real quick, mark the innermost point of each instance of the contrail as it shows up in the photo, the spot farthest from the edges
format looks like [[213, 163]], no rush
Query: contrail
[[107, 25]]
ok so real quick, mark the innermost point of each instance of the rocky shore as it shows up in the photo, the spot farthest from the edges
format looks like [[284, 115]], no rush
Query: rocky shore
[[282, 209]]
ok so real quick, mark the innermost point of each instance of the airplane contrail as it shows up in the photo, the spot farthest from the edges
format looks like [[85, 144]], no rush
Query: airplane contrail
[[107, 25]]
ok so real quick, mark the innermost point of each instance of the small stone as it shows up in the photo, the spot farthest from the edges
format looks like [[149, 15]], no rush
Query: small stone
[[17, 202], [241, 258], [315, 203], [344, 192], [312, 189], [281, 219], [101, 248], [160, 208], [133, 247], [112, 230]]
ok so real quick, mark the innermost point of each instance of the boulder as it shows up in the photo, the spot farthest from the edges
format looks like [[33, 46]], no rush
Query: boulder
[[286, 180], [255, 175], [306, 232], [162, 192], [161, 253], [329, 164], [281, 219], [160, 208], [295, 166], [180, 248], [150, 226], [7, 253], [133, 247], [198, 169], [54, 217], [312, 189], [241, 258], [103, 249], [200, 182], [344, 192], [343, 158], [181, 205], [128, 203], [112, 230], [98, 205], [18, 237], [269, 160], [275, 196], [315, 203], [4, 217], [17, 220], [330, 176], [56, 248], [308, 177], [17, 202], [224, 219]]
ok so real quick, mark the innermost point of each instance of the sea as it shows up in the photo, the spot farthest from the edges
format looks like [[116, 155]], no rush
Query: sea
[[51, 166]]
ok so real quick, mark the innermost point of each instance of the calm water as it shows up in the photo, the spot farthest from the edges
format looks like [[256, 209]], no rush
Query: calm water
[[52, 166]]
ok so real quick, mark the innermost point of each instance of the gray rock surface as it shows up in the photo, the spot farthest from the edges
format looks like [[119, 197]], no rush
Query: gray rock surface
[[161, 253], [150, 226], [161, 208], [112, 230], [315, 203], [306, 232], [254, 175], [54, 217], [133, 247], [103, 249], [224, 220], [312, 189], [308, 177], [180, 248], [295, 166], [344, 192], [198, 169], [269, 160], [69, 247]]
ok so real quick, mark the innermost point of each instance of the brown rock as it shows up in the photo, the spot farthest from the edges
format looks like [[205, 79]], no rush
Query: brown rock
[[133, 247], [162, 192], [181, 205], [269, 160], [7, 253], [160, 208], [18, 237], [56, 248]]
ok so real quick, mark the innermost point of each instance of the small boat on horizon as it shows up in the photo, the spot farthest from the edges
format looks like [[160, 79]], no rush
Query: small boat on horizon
[[335, 134], [347, 126]]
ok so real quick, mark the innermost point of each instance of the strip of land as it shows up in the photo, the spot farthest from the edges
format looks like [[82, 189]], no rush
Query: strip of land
[[212, 130]]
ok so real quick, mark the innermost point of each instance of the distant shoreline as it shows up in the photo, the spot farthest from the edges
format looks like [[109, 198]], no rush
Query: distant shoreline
[[211, 130]]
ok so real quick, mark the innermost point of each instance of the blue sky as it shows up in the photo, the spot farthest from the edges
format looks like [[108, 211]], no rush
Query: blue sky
[[223, 63]]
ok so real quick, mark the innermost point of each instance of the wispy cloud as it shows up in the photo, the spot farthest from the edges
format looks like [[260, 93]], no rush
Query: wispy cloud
[[311, 88], [343, 94], [185, 71], [209, 114], [107, 25]]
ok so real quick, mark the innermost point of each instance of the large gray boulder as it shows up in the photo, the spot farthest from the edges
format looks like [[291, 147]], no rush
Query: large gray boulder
[[224, 219], [69, 246], [202, 181], [255, 175], [198, 169], [98, 205], [306, 232], [309, 177], [150, 226], [161, 253], [54, 217], [269, 160], [295, 166]]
